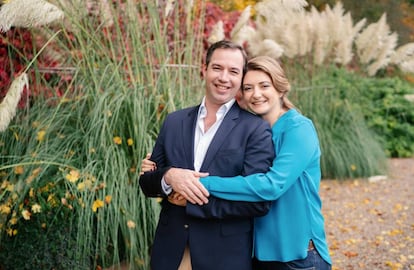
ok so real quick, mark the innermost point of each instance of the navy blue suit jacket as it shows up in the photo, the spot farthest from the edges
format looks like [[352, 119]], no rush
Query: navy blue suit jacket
[[219, 233]]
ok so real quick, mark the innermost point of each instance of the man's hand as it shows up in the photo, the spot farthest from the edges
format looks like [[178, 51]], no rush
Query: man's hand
[[186, 182]]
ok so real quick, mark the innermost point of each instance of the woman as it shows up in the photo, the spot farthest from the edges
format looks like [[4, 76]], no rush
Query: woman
[[291, 235]]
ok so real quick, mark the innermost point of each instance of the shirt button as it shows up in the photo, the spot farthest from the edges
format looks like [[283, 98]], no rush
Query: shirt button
[[186, 226]]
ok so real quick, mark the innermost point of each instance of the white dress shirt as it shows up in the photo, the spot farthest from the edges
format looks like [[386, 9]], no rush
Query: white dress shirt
[[202, 138]]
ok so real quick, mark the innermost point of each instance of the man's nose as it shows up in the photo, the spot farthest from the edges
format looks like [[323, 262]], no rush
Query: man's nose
[[224, 75]]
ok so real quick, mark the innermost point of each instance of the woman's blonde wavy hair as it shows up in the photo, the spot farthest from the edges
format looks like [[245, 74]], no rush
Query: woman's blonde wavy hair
[[277, 75]]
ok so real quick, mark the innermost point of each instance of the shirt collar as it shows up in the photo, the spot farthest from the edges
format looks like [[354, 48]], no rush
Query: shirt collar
[[202, 111]]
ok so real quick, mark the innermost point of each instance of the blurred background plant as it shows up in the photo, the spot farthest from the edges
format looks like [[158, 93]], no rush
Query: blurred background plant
[[315, 40], [105, 79], [120, 66]]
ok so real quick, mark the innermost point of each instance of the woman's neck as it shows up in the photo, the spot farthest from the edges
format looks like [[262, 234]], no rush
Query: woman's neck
[[272, 118]]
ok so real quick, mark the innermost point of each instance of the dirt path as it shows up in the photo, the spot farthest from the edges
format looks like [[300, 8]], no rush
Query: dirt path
[[370, 225]]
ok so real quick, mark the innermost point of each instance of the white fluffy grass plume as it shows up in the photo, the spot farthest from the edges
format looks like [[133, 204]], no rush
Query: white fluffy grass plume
[[27, 13], [9, 104]]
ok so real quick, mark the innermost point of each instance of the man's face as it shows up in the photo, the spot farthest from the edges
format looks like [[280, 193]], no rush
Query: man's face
[[223, 76]]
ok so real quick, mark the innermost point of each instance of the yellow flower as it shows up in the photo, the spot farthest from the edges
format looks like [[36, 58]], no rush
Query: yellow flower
[[36, 208], [13, 221], [73, 176], [18, 170], [87, 184], [117, 140], [52, 200], [11, 232], [108, 199], [10, 187], [41, 135], [4, 184], [353, 167], [5, 209], [131, 224], [26, 214], [130, 142], [97, 204], [81, 186]]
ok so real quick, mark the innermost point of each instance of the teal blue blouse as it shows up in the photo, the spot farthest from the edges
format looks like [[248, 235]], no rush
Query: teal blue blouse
[[292, 183]]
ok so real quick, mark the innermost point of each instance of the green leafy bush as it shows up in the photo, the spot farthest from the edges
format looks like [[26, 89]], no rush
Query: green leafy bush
[[348, 150], [381, 101]]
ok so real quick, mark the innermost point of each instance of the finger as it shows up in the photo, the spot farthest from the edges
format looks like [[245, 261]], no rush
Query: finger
[[192, 194], [199, 193], [189, 198], [146, 168], [148, 162], [201, 174], [201, 188]]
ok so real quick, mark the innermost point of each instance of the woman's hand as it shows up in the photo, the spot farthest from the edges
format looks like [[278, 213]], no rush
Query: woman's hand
[[177, 199], [147, 165]]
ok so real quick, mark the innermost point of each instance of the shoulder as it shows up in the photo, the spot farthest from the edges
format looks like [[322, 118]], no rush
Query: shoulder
[[246, 115], [183, 112], [294, 119]]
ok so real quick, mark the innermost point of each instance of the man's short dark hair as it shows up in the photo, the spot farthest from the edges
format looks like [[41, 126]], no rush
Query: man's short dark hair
[[226, 44]]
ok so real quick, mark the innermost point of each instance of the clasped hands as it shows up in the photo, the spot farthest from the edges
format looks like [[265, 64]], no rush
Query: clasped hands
[[185, 183]]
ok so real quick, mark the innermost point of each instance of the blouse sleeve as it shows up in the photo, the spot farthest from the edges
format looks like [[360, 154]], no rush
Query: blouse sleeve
[[298, 149]]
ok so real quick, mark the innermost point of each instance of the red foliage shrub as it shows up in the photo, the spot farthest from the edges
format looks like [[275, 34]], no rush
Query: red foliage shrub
[[17, 47]]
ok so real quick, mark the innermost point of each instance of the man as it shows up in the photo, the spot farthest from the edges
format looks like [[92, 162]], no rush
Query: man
[[220, 138]]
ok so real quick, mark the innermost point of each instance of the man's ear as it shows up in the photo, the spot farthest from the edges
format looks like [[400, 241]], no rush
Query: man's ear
[[203, 71]]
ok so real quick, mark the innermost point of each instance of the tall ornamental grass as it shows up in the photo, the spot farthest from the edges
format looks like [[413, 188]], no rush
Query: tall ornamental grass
[[81, 152], [350, 147]]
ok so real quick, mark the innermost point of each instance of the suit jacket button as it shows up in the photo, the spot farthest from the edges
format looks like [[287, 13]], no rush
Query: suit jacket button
[[186, 226]]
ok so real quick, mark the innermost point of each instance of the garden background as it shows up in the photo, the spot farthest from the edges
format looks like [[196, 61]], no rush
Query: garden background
[[85, 85]]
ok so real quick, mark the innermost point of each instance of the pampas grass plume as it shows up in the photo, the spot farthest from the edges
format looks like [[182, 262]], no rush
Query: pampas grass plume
[[217, 33], [28, 13], [241, 22], [9, 104], [403, 53]]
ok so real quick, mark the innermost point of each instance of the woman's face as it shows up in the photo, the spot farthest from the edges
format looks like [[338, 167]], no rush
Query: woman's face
[[260, 96]]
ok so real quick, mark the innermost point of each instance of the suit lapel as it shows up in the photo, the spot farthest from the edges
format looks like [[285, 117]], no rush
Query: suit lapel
[[222, 133], [188, 135]]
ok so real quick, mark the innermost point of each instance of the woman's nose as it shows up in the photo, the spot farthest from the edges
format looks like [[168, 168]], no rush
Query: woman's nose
[[256, 92]]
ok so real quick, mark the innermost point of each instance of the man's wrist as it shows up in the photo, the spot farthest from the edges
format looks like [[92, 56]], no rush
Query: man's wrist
[[166, 187]]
